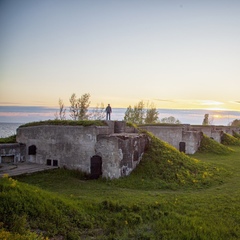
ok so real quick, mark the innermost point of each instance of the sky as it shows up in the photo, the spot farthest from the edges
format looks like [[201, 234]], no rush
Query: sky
[[175, 54]]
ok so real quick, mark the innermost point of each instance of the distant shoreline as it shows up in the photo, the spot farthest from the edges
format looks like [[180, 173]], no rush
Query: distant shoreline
[[25, 114]]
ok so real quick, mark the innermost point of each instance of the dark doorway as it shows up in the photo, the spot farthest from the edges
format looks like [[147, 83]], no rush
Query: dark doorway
[[96, 167], [32, 150], [182, 147]]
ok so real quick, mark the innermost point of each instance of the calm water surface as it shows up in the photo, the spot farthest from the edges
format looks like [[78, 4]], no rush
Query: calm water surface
[[8, 129]]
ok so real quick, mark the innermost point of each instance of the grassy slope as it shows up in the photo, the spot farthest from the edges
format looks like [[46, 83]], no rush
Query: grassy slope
[[141, 206]]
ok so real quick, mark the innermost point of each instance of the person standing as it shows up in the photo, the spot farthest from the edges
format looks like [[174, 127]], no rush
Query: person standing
[[108, 112]]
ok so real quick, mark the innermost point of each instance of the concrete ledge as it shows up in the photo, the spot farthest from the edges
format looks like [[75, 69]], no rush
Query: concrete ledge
[[22, 168]]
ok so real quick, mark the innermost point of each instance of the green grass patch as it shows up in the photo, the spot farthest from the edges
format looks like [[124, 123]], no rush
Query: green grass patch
[[164, 167], [236, 135], [84, 123], [10, 139], [228, 139], [209, 145], [63, 204]]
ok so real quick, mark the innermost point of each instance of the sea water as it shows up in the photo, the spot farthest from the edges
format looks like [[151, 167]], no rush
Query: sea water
[[8, 129]]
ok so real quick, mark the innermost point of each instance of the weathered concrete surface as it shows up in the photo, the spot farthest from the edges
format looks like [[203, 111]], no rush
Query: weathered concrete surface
[[189, 134], [70, 146], [120, 153], [170, 134], [12, 152], [74, 146], [22, 168], [192, 140]]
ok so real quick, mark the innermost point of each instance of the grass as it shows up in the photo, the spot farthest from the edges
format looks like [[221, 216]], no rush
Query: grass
[[149, 204], [228, 139], [209, 145], [84, 123], [10, 139]]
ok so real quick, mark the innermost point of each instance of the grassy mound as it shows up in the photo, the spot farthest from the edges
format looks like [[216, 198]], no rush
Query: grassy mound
[[209, 145], [228, 139], [24, 208], [236, 135], [164, 167]]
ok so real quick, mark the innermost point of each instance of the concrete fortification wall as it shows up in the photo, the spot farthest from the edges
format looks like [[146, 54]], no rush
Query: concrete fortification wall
[[76, 147], [187, 135], [110, 151]]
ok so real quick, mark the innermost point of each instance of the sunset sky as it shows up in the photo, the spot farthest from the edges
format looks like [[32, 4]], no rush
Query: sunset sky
[[176, 54]]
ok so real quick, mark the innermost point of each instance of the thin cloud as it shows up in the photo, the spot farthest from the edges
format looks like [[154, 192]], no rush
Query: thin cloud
[[164, 100], [9, 103], [209, 102]]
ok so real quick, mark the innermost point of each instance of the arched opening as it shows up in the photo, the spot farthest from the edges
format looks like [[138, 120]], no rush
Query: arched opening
[[32, 150]]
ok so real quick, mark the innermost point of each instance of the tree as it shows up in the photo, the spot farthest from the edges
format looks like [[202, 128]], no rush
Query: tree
[[171, 120], [84, 105], [151, 114], [79, 106], [206, 119], [136, 114], [235, 123], [98, 113], [61, 114]]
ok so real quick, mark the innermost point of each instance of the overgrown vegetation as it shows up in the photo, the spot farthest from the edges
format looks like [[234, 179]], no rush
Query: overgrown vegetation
[[145, 113], [228, 139], [209, 145], [164, 167], [235, 123], [66, 122], [236, 135], [168, 196], [10, 139]]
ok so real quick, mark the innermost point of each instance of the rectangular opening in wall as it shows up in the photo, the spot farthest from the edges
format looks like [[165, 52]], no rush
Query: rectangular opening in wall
[[55, 163], [49, 162], [8, 159]]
